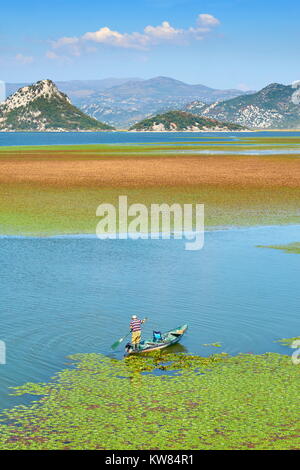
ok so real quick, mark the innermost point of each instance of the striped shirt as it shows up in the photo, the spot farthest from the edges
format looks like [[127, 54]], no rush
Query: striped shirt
[[135, 325]]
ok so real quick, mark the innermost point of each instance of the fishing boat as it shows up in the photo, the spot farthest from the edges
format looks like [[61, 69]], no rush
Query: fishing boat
[[158, 341]]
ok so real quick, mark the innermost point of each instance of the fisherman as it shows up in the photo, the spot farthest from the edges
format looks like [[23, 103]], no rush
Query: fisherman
[[135, 328]]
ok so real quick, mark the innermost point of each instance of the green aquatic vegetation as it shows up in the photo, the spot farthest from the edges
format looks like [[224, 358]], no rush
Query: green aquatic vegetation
[[288, 341], [170, 361], [83, 151], [215, 345], [219, 402], [42, 209], [290, 248], [39, 210]]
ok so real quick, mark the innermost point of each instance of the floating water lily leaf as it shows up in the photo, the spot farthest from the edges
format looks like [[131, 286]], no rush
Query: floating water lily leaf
[[219, 402]]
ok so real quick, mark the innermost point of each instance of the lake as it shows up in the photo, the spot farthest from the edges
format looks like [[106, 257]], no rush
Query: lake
[[66, 295], [115, 137]]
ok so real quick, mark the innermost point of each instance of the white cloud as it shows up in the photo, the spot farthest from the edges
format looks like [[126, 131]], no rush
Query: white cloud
[[104, 35], [207, 20], [107, 36], [63, 59], [65, 41], [23, 59], [151, 36], [163, 31], [205, 23]]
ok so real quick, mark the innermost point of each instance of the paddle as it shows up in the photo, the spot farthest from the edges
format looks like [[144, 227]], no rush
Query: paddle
[[116, 344]]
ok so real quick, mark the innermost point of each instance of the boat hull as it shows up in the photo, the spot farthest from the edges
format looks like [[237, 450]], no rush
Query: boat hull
[[168, 339]]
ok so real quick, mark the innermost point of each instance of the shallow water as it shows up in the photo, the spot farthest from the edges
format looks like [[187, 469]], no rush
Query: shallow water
[[83, 138], [68, 295], [280, 151]]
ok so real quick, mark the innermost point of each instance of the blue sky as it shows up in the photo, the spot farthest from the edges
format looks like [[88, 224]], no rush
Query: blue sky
[[219, 43]]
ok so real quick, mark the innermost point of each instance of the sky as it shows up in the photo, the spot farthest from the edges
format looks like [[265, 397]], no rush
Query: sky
[[243, 44]]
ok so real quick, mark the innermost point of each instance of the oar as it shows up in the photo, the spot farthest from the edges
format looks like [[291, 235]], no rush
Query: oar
[[116, 344]]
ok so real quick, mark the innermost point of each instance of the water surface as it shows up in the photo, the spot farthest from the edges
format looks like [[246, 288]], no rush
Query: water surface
[[66, 295], [115, 137]]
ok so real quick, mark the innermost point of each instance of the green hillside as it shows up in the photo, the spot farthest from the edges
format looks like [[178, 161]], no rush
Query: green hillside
[[183, 121]]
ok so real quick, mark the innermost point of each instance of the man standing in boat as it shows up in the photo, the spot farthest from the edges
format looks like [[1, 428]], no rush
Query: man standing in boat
[[135, 328]]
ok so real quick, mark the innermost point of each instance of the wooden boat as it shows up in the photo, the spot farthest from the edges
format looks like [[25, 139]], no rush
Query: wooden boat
[[167, 339]]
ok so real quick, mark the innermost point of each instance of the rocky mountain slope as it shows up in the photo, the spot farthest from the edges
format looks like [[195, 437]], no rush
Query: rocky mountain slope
[[127, 103], [42, 107], [273, 107], [122, 102], [182, 121]]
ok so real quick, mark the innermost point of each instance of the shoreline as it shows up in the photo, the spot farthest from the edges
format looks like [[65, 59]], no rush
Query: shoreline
[[93, 236], [146, 131]]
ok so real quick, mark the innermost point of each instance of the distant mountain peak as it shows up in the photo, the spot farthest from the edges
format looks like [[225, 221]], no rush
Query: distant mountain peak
[[42, 89], [271, 107], [123, 105], [43, 107], [273, 86], [162, 79]]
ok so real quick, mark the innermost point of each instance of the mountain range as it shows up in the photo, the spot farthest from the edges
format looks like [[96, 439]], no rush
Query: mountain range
[[77, 88], [273, 107], [166, 102], [125, 101]]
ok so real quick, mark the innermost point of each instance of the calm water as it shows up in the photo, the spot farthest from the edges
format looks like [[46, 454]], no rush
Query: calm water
[[72, 138], [61, 296]]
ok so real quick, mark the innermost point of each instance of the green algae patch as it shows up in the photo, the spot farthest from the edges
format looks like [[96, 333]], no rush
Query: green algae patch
[[288, 341], [44, 210], [219, 402], [290, 248], [53, 190]]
